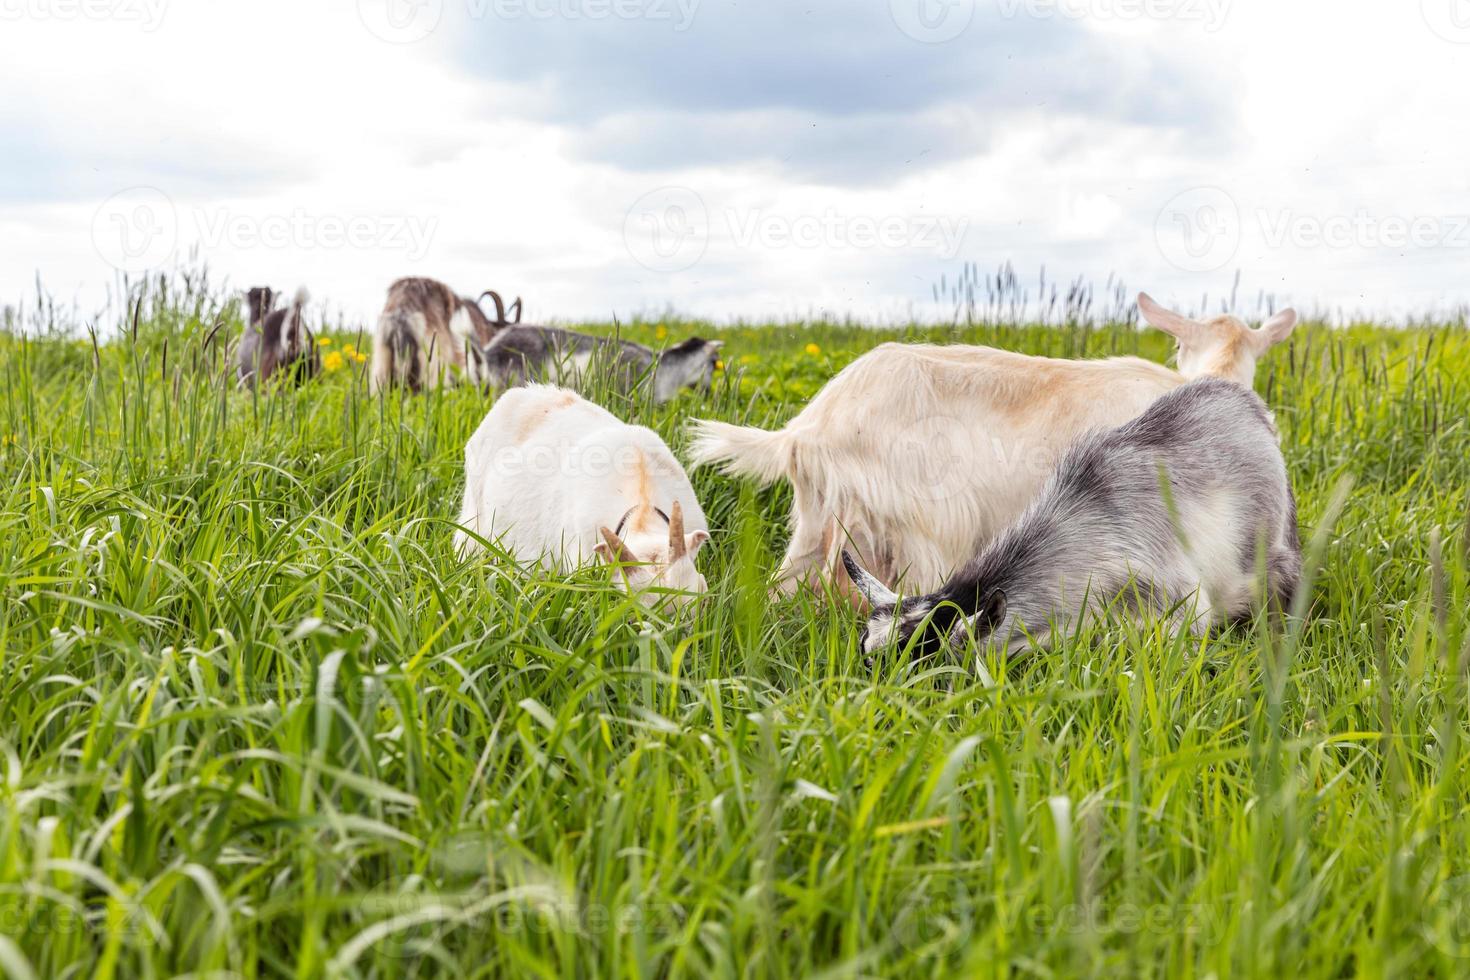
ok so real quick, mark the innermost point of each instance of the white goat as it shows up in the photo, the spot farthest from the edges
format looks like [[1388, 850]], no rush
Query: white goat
[[920, 454], [561, 481]]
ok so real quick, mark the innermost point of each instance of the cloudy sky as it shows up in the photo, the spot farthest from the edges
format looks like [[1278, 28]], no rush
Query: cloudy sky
[[740, 158]]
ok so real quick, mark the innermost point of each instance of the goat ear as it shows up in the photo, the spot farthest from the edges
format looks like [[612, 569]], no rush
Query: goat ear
[[1162, 318], [987, 619], [1275, 330], [693, 542], [873, 590], [713, 345]]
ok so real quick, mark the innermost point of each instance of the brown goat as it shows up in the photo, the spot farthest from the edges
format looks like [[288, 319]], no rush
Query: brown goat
[[428, 335], [276, 339]]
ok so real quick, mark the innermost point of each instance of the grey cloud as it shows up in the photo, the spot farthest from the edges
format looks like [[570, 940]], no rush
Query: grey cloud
[[826, 89]]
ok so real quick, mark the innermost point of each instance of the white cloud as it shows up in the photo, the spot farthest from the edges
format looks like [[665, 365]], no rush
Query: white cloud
[[294, 145]]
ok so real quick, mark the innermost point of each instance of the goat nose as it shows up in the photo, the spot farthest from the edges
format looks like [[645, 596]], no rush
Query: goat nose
[[868, 662]]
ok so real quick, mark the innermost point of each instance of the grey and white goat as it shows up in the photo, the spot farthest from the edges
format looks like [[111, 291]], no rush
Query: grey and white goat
[[527, 353], [275, 340], [1165, 514]]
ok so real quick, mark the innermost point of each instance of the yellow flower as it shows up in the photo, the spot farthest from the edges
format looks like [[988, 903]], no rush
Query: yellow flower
[[813, 349], [719, 365], [333, 361], [324, 341], [360, 358], [349, 350], [661, 332]]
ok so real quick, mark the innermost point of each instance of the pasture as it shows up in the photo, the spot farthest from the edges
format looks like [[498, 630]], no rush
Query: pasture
[[256, 718]]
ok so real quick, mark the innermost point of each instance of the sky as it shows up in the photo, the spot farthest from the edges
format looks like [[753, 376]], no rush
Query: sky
[[740, 159]]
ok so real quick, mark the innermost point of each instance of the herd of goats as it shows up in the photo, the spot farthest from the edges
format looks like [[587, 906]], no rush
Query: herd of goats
[[1008, 496]]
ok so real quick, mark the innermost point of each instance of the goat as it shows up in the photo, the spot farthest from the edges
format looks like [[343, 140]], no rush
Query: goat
[[917, 454], [1167, 513], [427, 334], [563, 482], [276, 339], [535, 353]]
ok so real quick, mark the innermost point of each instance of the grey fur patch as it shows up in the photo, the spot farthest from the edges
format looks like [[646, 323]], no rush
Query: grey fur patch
[[526, 353], [1104, 532]]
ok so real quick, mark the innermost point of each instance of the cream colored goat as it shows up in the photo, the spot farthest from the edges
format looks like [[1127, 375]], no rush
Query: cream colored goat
[[917, 455]]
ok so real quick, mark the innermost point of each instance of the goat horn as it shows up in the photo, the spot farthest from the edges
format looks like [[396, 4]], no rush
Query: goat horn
[[517, 307], [872, 590], [617, 551], [499, 304], [677, 548]]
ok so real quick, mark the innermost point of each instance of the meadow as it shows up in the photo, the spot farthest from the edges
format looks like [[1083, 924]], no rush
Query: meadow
[[255, 718]]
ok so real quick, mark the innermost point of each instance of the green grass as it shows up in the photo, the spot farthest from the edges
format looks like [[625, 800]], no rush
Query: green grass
[[255, 718]]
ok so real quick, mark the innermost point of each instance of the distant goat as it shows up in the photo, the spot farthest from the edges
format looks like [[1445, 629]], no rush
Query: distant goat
[[1171, 512], [427, 335], [918, 454], [561, 481], [532, 353], [276, 339]]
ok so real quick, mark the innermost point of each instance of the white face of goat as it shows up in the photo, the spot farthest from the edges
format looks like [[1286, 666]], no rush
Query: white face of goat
[[1221, 347], [655, 569]]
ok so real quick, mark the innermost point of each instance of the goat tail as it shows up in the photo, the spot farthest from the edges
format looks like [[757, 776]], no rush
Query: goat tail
[[743, 450], [397, 353]]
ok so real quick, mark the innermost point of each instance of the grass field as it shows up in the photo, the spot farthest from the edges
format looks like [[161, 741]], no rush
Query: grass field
[[255, 718]]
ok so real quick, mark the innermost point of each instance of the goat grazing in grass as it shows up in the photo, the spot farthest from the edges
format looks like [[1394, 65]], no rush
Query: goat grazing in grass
[[1170, 513], [532, 353], [917, 454], [427, 335], [558, 480], [276, 340]]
